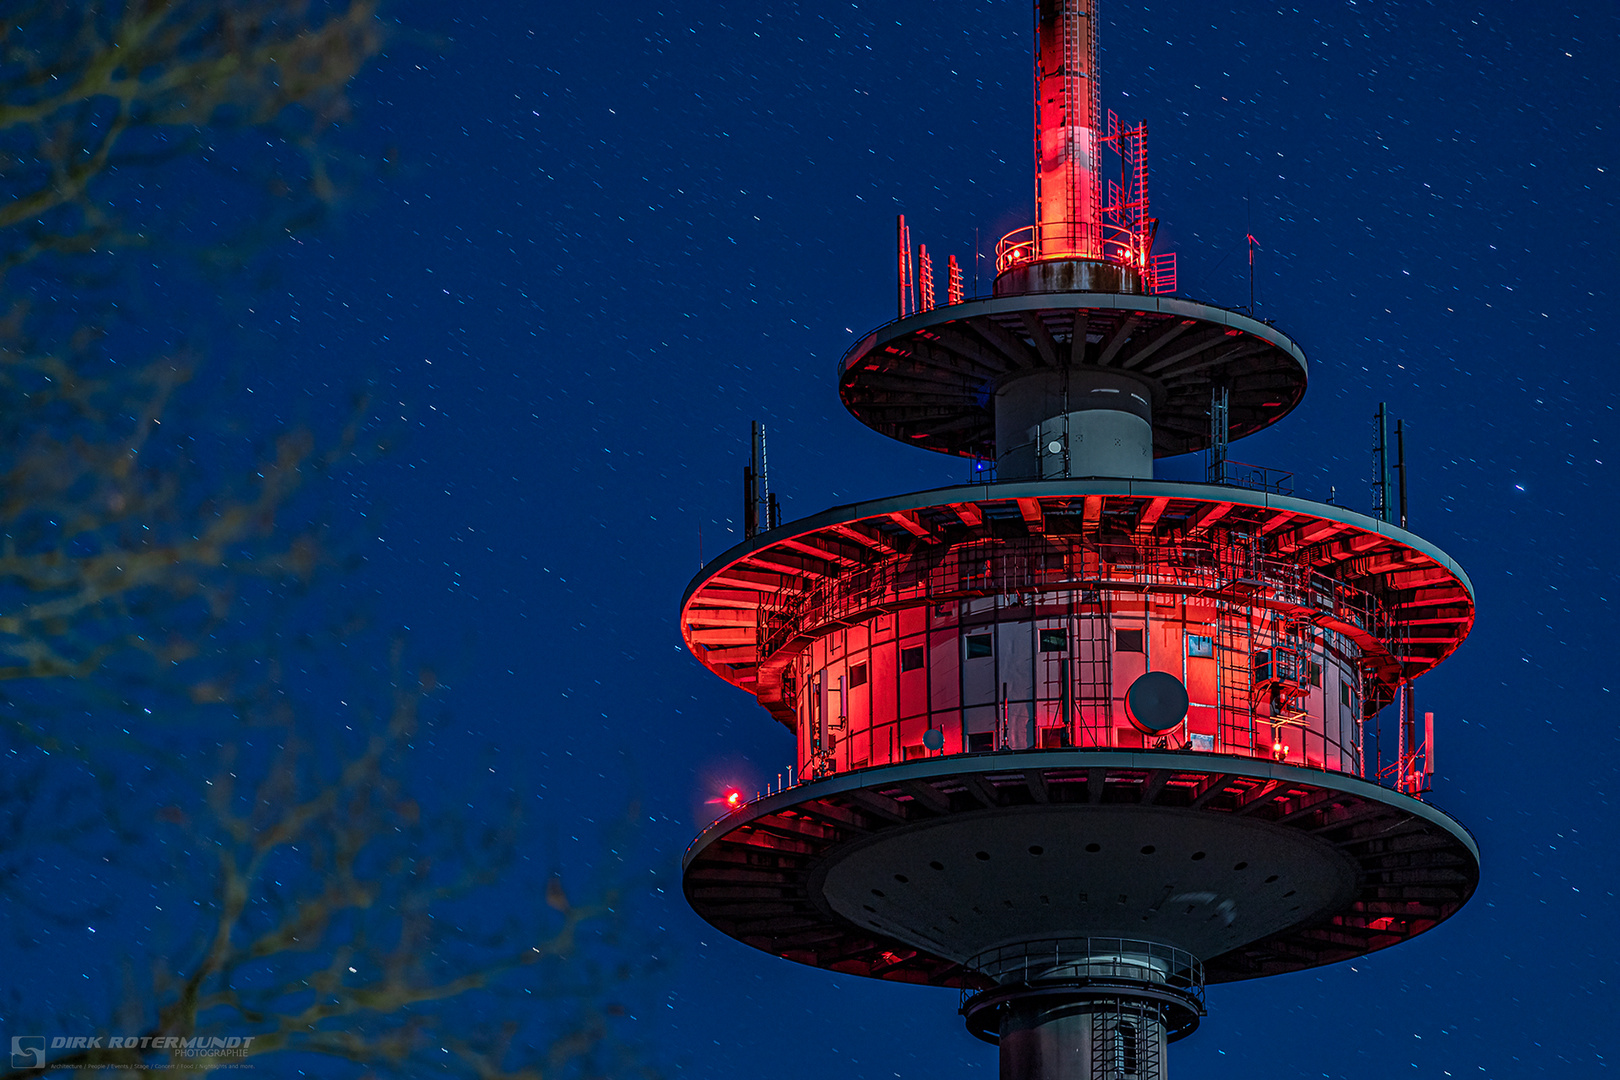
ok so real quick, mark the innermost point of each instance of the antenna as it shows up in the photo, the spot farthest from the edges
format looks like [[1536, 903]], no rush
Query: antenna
[[1400, 466], [1248, 235], [1383, 504], [902, 236], [1253, 244], [1428, 749], [760, 509], [925, 278]]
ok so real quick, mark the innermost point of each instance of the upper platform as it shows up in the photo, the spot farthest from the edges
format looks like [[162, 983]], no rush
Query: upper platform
[[1406, 602], [930, 379]]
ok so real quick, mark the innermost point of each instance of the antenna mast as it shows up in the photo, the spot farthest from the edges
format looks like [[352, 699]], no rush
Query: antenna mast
[[761, 510]]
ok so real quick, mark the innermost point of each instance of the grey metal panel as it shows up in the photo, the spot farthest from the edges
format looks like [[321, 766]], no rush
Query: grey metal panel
[[944, 658], [1015, 647]]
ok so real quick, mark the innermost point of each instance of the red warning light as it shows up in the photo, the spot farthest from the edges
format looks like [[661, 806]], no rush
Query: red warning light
[[729, 798]]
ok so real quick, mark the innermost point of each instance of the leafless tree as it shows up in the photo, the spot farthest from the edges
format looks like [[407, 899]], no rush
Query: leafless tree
[[321, 901]]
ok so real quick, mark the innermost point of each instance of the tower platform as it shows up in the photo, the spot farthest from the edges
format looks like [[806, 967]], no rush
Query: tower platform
[[1050, 552], [909, 872], [930, 379]]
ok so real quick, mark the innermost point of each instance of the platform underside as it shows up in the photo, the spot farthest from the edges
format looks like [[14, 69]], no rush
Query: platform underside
[[901, 872], [928, 380]]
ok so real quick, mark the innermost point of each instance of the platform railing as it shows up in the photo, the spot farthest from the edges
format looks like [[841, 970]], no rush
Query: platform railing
[[1022, 568], [1109, 243], [1242, 474], [1100, 958]]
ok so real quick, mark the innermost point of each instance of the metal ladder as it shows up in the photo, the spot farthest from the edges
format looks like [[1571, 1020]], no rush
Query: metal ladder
[[1234, 695], [1093, 688], [1125, 1044]]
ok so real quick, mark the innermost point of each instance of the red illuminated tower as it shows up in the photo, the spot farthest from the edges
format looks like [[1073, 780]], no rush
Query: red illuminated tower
[[1079, 741]]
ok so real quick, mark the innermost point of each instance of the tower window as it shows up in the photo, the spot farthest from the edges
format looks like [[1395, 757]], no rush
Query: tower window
[[911, 659], [857, 676], [1129, 641], [979, 646], [1054, 640], [1200, 645], [1344, 694]]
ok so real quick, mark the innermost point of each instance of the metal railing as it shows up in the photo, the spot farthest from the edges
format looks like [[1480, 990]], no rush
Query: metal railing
[[1116, 244], [1242, 474], [1099, 958], [1023, 567]]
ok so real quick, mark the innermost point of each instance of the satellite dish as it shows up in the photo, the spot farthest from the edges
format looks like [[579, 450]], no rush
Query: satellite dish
[[1156, 702], [934, 739]]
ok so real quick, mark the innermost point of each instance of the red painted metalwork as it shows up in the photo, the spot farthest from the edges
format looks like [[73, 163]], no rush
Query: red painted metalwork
[[1308, 625], [907, 279], [1412, 771], [1161, 273], [925, 278]]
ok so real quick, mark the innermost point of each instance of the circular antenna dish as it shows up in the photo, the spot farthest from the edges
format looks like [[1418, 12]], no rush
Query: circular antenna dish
[[1156, 702], [934, 739]]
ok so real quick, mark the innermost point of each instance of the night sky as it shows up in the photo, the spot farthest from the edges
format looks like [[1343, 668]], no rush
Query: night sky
[[611, 236]]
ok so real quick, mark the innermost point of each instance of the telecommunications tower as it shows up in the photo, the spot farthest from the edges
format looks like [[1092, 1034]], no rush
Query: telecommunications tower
[[1072, 739]]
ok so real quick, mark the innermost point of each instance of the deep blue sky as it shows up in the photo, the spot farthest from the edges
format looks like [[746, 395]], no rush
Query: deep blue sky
[[617, 233]]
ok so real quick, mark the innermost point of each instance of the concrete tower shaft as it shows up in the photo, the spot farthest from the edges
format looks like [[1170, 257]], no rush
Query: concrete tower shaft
[[1067, 224], [1074, 422]]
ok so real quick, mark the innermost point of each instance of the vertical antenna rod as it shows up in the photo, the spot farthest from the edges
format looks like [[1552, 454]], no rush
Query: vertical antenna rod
[[1400, 466], [1383, 508], [760, 510], [1066, 110], [1252, 245]]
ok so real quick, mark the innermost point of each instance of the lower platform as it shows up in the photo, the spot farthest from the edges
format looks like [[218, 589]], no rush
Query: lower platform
[[908, 872]]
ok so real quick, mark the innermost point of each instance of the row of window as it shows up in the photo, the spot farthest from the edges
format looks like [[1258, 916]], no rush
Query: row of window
[[1054, 639], [912, 658]]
